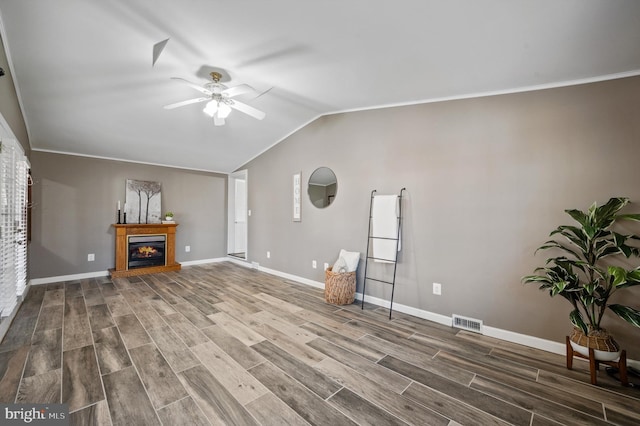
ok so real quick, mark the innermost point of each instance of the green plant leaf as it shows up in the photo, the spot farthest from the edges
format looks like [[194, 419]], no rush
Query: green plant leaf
[[631, 278], [620, 241], [576, 320], [573, 234], [579, 274], [631, 216], [555, 244], [619, 275], [588, 300], [578, 216], [535, 279], [605, 215], [630, 315], [558, 287]]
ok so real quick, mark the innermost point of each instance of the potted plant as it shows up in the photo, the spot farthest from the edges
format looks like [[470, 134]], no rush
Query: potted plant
[[582, 272], [168, 216]]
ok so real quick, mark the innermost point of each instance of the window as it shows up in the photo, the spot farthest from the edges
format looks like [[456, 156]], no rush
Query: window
[[14, 169]]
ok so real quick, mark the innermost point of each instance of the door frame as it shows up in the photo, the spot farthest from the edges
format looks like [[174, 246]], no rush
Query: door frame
[[231, 213]]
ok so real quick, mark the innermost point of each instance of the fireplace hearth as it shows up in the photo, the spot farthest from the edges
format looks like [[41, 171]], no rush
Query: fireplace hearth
[[146, 250]]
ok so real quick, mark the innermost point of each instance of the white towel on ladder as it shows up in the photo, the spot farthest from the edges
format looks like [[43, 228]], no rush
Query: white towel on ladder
[[384, 224]]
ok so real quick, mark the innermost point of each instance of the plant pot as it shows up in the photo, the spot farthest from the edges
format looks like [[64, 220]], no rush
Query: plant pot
[[605, 348]]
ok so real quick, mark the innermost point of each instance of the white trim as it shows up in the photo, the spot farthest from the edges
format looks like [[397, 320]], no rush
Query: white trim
[[73, 277], [231, 211], [555, 85], [431, 316], [526, 340], [238, 261], [100, 157], [14, 79], [506, 335], [523, 89], [312, 283], [509, 336], [203, 261], [498, 333], [287, 135]]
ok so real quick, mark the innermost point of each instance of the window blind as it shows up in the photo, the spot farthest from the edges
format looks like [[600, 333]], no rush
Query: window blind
[[13, 208]]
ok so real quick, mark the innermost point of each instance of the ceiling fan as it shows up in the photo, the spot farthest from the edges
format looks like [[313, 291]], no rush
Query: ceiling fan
[[220, 99]]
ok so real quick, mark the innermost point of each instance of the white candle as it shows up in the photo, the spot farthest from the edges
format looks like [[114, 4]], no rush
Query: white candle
[[125, 206], [118, 204]]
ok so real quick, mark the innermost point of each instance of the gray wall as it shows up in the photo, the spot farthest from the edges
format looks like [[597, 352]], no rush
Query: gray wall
[[487, 179], [9, 107], [75, 204]]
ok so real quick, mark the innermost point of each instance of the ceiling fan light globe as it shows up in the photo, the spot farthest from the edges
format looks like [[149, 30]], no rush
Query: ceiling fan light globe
[[224, 110], [211, 108], [218, 121]]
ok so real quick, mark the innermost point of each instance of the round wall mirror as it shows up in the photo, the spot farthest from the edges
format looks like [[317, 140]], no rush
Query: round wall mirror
[[323, 186]]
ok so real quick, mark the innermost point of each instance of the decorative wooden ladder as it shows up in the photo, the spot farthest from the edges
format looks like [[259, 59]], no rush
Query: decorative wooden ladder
[[394, 260]]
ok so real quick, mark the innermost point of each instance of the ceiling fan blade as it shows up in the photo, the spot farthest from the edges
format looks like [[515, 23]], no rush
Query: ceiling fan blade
[[187, 102], [195, 86], [157, 50], [240, 89], [249, 110], [265, 92]]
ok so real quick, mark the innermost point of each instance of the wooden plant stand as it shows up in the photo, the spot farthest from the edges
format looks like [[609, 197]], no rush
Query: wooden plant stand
[[594, 364]]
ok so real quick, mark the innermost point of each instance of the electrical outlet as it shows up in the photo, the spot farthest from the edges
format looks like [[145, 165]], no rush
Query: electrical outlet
[[314, 264], [91, 257], [326, 266], [268, 255], [437, 289], [187, 248], [248, 212]]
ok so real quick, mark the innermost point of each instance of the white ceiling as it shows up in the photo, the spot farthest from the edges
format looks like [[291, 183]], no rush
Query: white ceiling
[[84, 76]]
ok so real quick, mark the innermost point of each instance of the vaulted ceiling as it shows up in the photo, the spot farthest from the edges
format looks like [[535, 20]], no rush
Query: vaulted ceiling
[[84, 75]]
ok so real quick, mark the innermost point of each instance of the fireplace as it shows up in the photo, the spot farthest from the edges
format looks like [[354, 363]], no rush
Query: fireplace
[[146, 250], [165, 249]]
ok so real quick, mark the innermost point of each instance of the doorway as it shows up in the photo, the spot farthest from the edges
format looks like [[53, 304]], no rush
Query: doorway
[[237, 214]]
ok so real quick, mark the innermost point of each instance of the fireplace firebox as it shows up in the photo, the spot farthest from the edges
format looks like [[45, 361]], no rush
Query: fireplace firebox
[[146, 250]]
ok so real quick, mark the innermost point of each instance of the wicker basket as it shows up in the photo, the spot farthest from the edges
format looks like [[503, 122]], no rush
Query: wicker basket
[[601, 341], [339, 287]]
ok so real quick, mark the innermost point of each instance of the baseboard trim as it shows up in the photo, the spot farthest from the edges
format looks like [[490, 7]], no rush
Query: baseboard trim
[[498, 333], [292, 277], [237, 261], [506, 335], [203, 261], [420, 313], [526, 340], [73, 277]]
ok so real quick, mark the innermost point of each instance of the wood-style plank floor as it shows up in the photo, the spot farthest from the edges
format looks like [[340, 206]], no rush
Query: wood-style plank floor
[[223, 344]]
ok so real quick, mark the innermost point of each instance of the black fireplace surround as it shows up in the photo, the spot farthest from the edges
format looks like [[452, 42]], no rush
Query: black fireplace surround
[[146, 250]]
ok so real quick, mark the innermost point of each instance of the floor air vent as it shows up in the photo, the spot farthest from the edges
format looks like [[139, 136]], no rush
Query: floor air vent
[[465, 323]]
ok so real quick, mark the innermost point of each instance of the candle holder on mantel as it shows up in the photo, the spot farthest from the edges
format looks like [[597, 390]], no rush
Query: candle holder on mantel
[[125, 218], [118, 217]]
